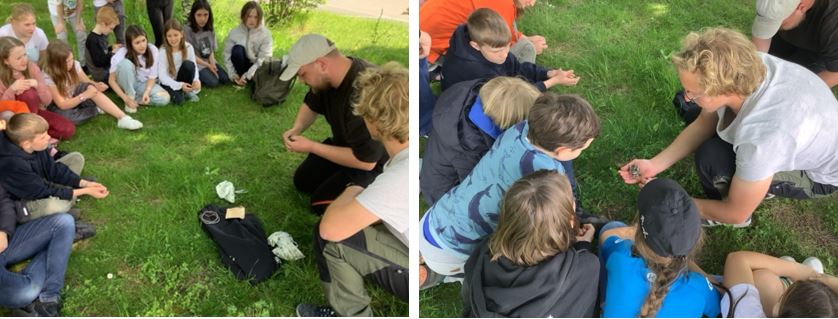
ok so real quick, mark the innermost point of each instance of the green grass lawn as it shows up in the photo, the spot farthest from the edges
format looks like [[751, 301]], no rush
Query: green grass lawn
[[620, 49], [159, 177]]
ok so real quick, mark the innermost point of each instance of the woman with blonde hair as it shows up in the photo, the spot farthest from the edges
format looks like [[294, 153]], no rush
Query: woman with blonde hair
[[21, 25], [649, 267], [467, 119]]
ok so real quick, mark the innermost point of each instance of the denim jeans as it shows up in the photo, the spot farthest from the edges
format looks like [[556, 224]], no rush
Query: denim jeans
[[127, 80], [48, 242], [209, 80]]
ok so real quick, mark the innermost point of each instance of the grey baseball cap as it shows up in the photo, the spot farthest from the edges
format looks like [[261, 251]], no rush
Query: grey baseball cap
[[770, 15], [307, 49]]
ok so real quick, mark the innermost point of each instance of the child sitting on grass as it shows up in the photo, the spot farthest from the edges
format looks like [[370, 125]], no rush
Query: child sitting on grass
[[648, 266], [760, 286], [200, 32], [538, 241], [480, 49], [177, 68], [134, 72], [559, 128], [99, 51], [74, 95]]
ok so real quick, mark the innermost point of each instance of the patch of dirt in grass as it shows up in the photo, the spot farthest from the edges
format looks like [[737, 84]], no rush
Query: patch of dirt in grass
[[809, 227]]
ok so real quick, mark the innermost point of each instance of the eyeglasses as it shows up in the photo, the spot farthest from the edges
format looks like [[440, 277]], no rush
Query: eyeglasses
[[694, 97]]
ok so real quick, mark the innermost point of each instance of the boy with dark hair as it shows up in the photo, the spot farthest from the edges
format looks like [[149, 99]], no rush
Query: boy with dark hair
[[480, 49], [30, 175], [558, 129], [538, 240]]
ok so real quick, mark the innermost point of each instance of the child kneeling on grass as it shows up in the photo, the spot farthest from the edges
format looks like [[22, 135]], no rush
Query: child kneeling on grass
[[650, 270], [134, 72], [760, 285], [74, 95], [538, 241], [559, 128], [176, 68]]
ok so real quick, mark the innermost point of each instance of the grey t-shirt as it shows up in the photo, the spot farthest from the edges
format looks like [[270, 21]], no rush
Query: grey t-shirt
[[203, 41], [387, 197], [789, 123]]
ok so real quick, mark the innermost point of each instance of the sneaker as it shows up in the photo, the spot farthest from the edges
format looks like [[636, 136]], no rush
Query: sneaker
[[39, 309], [129, 123], [307, 310], [75, 212], [815, 263], [192, 97], [769, 196], [130, 110], [713, 223], [84, 230], [100, 111]]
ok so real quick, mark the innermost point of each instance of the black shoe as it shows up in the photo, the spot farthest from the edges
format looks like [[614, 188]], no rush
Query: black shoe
[[25, 311], [84, 230], [75, 212], [307, 310], [39, 309]]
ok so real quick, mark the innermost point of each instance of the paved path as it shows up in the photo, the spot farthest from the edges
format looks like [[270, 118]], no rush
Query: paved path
[[393, 9]]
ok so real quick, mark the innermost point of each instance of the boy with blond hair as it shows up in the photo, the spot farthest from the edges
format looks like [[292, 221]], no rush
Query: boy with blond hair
[[32, 176], [364, 232], [538, 240], [99, 52], [558, 128], [480, 49]]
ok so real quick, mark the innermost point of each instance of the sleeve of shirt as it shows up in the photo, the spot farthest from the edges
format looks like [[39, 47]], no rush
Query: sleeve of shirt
[[190, 56], [41, 39], [610, 246], [829, 43], [98, 55], [363, 146], [386, 198], [8, 215], [757, 162], [152, 69], [314, 102], [28, 185], [116, 58], [163, 71], [712, 301], [532, 72], [43, 90]]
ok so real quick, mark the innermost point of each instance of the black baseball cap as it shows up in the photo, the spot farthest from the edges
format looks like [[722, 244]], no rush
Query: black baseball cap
[[669, 218]]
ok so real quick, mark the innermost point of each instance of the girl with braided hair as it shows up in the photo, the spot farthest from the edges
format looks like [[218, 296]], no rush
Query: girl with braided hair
[[649, 268]]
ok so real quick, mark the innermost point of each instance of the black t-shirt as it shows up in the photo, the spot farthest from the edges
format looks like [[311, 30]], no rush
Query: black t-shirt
[[348, 130], [99, 49], [818, 33]]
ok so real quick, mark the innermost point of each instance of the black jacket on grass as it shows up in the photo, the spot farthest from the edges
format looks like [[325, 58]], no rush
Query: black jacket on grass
[[463, 63], [10, 215], [455, 143], [34, 176], [563, 286]]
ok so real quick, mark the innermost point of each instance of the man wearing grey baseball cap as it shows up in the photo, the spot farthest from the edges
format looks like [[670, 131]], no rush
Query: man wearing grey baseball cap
[[800, 31], [350, 156]]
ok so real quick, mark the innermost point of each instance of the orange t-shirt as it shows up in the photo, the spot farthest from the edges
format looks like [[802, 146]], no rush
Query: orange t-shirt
[[439, 18]]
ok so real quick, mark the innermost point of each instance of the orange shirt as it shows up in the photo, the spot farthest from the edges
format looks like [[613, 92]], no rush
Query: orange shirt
[[439, 18]]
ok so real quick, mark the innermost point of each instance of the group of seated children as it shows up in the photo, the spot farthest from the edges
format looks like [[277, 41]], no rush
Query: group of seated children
[[505, 218]]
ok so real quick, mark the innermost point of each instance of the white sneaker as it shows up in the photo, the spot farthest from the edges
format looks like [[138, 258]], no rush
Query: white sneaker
[[100, 111], [129, 109], [713, 223], [129, 123], [815, 263], [192, 97]]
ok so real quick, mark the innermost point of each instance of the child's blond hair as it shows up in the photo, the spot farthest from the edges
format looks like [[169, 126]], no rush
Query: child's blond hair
[[536, 219], [20, 11], [25, 127], [383, 100], [106, 16], [487, 27], [507, 100]]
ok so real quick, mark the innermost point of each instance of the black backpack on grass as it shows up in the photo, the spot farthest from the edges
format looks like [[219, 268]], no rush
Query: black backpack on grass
[[242, 243], [268, 89]]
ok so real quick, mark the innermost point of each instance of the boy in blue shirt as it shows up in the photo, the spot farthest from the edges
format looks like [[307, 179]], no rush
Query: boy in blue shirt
[[559, 128]]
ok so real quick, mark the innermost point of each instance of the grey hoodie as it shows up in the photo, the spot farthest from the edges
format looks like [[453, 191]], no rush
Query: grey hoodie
[[257, 42]]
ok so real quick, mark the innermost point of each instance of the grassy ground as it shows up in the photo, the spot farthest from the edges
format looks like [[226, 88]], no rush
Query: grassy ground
[[620, 49], [159, 177]]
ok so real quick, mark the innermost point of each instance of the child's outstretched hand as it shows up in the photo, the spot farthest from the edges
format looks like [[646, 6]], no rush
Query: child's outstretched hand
[[586, 233], [566, 78]]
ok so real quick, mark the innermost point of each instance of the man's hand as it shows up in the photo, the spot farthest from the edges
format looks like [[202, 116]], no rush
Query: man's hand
[[539, 42], [424, 44], [586, 233], [299, 144], [642, 172], [4, 241], [288, 136]]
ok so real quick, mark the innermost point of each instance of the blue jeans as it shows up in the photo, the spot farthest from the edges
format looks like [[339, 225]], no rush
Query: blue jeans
[[427, 99], [127, 80], [48, 242], [209, 80]]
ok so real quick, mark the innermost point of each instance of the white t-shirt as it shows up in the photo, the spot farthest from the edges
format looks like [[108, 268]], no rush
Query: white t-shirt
[[747, 307], [48, 79], [163, 66], [788, 124], [69, 5], [144, 73], [99, 3], [37, 43], [387, 197]]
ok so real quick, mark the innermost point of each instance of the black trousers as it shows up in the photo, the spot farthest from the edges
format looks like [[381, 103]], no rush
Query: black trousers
[[324, 180], [240, 61], [159, 11], [186, 73], [715, 163]]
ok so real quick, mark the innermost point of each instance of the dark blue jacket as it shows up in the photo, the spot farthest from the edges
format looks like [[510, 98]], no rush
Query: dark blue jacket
[[455, 143], [34, 176], [8, 214], [463, 63]]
